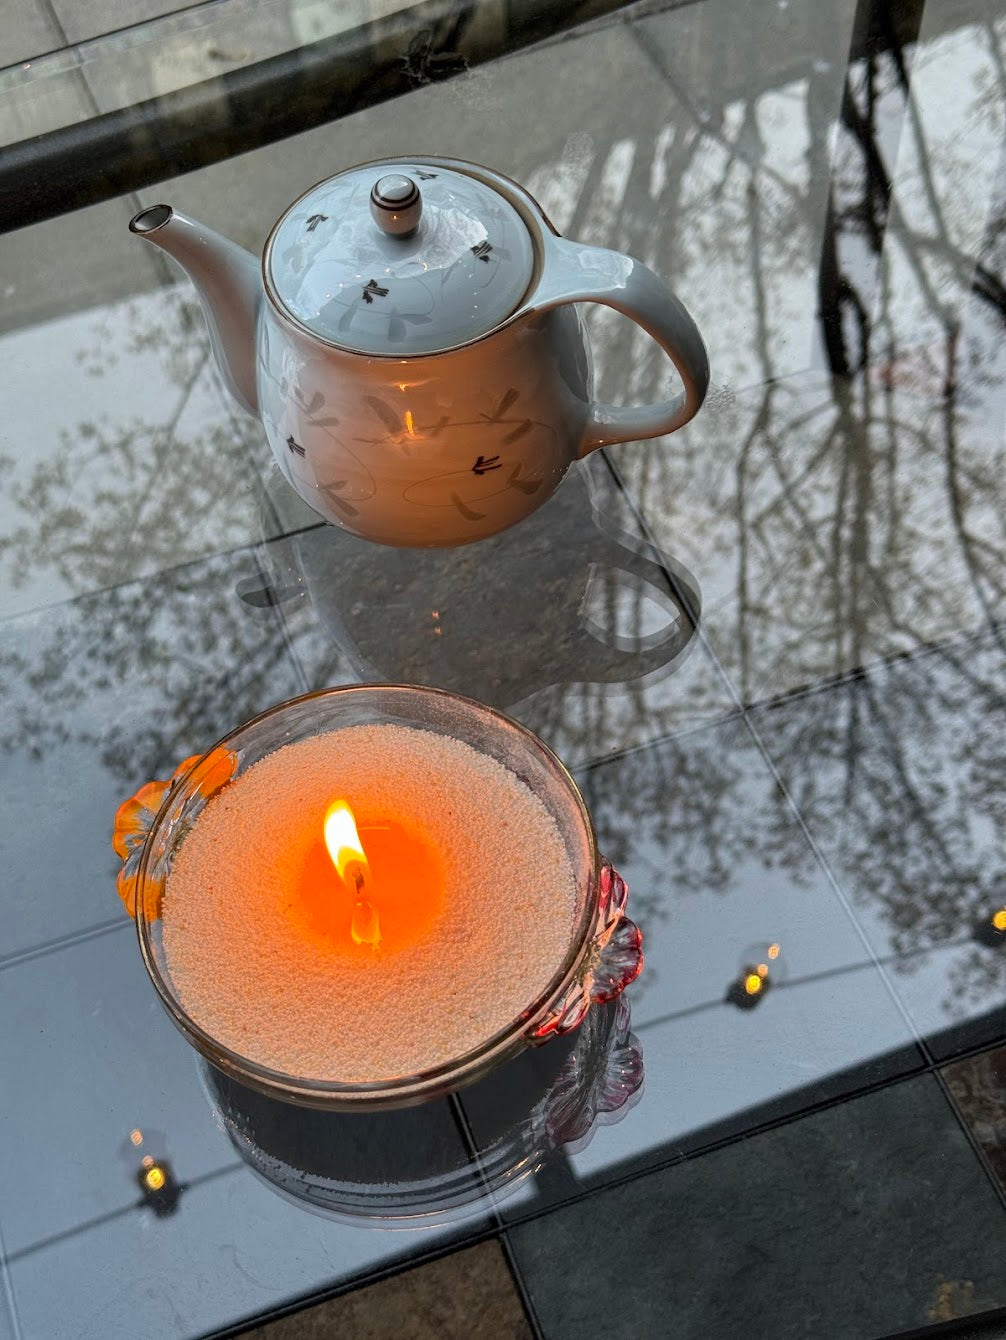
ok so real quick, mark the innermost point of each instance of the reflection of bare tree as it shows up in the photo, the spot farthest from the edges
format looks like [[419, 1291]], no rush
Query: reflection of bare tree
[[862, 515], [124, 493], [897, 775], [144, 674]]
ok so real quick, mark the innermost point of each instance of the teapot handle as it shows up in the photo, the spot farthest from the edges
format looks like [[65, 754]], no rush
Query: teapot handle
[[575, 272]]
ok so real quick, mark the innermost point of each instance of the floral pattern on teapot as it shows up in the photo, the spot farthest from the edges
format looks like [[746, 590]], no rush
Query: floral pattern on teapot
[[417, 461]]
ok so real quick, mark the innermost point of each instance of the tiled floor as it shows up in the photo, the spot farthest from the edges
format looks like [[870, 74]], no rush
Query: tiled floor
[[770, 645], [783, 1234], [469, 1294]]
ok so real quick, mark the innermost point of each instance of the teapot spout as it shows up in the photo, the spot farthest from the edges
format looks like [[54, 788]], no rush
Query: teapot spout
[[229, 284]]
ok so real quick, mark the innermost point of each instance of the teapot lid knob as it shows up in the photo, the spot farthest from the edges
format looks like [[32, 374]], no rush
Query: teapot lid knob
[[396, 204]]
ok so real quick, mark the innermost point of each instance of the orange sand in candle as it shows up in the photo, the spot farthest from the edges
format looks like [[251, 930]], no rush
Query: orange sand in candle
[[478, 931]]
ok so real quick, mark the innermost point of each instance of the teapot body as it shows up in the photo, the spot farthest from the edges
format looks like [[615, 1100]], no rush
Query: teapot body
[[430, 450], [412, 342]]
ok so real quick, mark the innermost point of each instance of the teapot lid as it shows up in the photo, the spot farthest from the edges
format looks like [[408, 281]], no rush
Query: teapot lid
[[400, 259]]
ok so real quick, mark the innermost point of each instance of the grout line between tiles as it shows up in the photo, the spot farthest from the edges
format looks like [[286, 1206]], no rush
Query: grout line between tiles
[[838, 890], [672, 1160], [112, 32], [980, 633], [969, 1135], [250, 547], [685, 729], [471, 1148], [65, 941], [299, 673], [680, 592], [523, 1293], [7, 1291]]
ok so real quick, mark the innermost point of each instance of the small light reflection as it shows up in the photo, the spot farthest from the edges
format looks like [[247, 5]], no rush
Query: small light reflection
[[159, 1189], [161, 1193], [990, 930], [759, 968]]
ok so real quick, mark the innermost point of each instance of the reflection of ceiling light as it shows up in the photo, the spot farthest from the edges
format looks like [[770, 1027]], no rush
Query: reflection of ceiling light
[[748, 989], [760, 967], [161, 1193], [991, 929]]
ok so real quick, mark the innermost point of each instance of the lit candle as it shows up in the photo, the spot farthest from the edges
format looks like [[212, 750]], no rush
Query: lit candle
[[366, 904]]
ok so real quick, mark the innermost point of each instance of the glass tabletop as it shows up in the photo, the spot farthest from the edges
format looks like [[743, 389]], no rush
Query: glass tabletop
[[769, 646]]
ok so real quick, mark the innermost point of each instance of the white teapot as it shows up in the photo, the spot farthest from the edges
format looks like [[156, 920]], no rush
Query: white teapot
[[411, 343]]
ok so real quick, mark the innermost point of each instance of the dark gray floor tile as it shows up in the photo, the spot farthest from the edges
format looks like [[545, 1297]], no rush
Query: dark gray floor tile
[[978, 1086], [101, 695], [870, 1217], [897, 775], [461, 1297]]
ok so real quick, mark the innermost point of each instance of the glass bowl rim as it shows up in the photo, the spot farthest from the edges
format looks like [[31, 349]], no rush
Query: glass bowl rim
[[401, 1090]]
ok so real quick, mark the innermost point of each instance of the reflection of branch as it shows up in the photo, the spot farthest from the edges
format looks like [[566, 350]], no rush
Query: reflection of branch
[[953, 488], [167, 435]]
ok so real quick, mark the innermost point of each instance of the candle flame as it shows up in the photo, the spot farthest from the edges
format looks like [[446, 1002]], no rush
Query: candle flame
[[350, 860], [410, 425]]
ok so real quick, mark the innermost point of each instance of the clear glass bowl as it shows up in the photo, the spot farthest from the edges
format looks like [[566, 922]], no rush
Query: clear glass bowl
[[604, 952], [396, 1167]]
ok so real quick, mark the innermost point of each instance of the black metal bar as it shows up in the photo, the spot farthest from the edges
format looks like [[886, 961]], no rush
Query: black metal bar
[[244, 109]]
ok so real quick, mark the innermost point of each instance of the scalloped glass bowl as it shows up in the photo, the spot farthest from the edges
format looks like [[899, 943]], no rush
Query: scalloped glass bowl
[[603, 955]]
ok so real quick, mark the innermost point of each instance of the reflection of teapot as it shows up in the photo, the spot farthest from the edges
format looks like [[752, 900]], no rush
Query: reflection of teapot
[[454, 620], [414, 352]]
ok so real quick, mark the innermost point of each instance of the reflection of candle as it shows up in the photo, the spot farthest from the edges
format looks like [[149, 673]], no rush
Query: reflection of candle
[[454, 879]]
